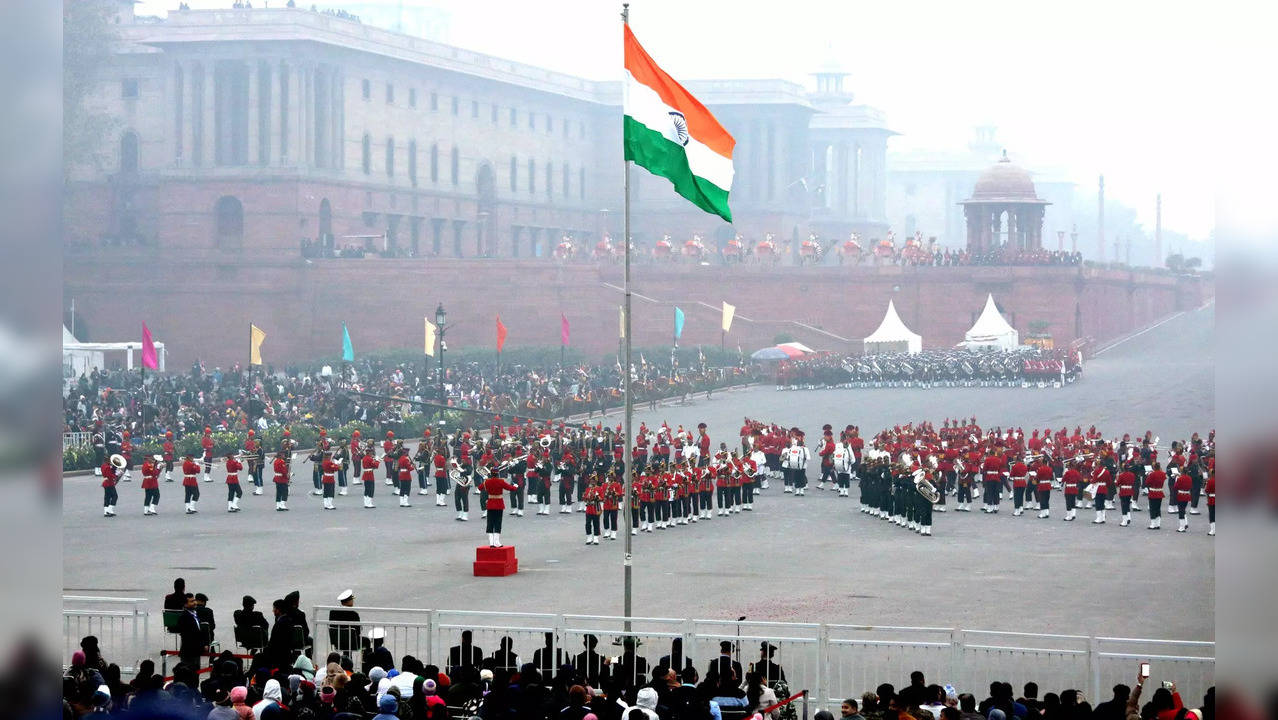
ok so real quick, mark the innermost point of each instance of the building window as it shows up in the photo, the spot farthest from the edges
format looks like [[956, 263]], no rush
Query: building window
[[514, 174], [412, 162], [550, 177], [513, 114], [366, 89], [434, 101], [390, 93], [474, 109], [566, 176], [412, 97], [456, 104], [367, 158], [532, 176], [390, 157], [494, 113], [129, 88], [434, 163], [456, 165], [581, 183], [229, 219]]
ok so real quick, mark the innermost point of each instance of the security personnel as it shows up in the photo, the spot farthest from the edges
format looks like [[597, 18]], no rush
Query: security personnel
[[190, 487], [233, 491], [281, 481]]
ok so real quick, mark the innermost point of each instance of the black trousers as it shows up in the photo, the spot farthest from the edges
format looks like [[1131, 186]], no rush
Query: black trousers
[[1098, 502], [688, 503], [492, 521], [369, 486], [565, 490], [991, 492], [1181, 507], [191, 493], [405, 487], [390, 470], [1125, 503], [542, 491], [747, 492], [787, 476], [330, 490], [442, 485], [315, 476], [592, 524], [341, 478], [610, 519], [800, 479], [517, 498], [1211, 513], [724, 496], [233, 491], [843, 480], [1155, 508], [634, 517], [461, 500], [1018, 497], [965, 492], [281, 492], [109, 496], [151, 496], [422, 482], [924, 514]]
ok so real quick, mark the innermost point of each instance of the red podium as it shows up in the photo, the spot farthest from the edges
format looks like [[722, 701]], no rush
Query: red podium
[[496, 561]]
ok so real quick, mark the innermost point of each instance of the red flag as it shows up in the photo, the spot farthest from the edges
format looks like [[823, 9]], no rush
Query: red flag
[[149, 358], [501, 334], [563, 329]]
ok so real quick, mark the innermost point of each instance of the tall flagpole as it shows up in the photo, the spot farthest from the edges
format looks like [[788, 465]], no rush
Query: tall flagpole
[[628, 458]]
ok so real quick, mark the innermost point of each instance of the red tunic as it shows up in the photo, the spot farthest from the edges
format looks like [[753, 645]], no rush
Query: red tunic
[[281, 471], [190, 469], [369, 464], [329, 470], [441, 465], [1070, 479], [109, 477], [1018, 473], [1184, 487], [993, 468], [1126, 483], [1044, 474], [594, 498], [150, 476], [493, 488], [206, 442], [1156, 481], [233, 467], [405, 467], [1210, 489]]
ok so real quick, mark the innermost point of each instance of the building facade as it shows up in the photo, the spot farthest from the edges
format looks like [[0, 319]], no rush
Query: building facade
[[269, 132]]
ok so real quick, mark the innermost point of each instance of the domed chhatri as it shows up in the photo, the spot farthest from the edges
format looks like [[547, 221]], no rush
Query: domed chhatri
[[1004, 213], [1004, 182]]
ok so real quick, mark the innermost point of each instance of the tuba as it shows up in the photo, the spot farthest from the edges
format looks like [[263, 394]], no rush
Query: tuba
[[545, 441], [117, 461], [925, 487], [454, 471]]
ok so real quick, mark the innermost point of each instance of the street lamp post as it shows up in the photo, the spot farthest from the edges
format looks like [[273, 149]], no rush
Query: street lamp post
[[440, 317]]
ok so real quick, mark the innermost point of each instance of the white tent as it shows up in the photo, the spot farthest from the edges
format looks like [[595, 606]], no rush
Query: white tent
[[991, 331], [893, 336], [79, 357]]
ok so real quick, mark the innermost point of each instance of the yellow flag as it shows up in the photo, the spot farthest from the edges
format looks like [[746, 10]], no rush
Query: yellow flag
[[621, 321], [728, 312], [430, 338], [256, 336]]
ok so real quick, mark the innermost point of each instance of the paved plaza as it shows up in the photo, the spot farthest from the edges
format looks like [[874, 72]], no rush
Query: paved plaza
[[813, 558]]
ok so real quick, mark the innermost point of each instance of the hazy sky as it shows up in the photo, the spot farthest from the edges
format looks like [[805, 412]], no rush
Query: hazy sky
[[1148, 93]]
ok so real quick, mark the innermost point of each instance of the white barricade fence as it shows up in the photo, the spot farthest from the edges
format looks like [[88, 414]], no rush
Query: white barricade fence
[[1189, 664], [119, 624], [75, 440], [832, 661]]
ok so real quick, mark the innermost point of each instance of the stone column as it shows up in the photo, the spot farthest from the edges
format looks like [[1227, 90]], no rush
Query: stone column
[[273, 145], [336, 113], [208, 124], [296, 94], [190, 152], [254, 104]]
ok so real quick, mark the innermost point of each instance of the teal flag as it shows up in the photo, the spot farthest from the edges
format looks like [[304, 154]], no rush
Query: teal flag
[[678, 323], [348, 350]]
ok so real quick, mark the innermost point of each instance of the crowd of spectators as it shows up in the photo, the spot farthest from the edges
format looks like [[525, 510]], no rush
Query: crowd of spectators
[[955, 258], [279, 682], [930, 368], [236, 400]]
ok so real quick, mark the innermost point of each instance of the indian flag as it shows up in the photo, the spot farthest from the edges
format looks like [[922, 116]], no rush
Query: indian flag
[[671, 134]]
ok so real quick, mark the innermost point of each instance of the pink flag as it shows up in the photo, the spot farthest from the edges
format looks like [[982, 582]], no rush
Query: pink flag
[[501, 334], [563, 330], [149, 359]]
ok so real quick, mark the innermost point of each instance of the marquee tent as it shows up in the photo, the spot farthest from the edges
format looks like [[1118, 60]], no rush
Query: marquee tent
[[893, 336], [991, 331]]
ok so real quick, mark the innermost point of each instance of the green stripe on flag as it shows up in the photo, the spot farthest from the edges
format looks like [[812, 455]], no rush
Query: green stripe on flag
[[656, 153]]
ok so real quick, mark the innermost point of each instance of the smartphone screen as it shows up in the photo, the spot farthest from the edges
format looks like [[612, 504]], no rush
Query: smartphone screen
[[1144, 669]]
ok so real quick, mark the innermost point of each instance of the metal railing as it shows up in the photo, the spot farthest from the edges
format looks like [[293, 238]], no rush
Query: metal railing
[[75, 440], [119, 623], [834, 661]]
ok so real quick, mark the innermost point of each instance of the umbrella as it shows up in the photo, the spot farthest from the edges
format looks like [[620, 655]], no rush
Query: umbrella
[[770, 353]]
